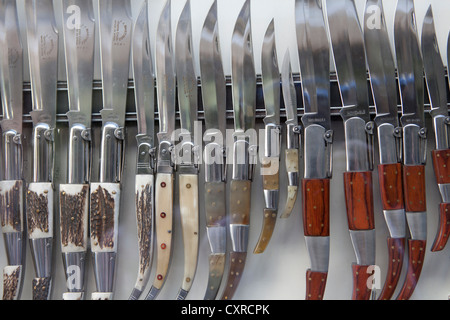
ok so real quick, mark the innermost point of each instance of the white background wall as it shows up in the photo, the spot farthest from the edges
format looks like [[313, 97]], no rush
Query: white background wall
[[279, 273]]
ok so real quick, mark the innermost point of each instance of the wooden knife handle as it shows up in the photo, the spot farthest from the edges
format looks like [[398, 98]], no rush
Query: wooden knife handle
[[188, 187], [237, 264], [315, 285], [414, 188], [359, 200], [164, 225], [441, 165], [415, 263], [391, 186], [316, 207], [361, 288], [396, 248]]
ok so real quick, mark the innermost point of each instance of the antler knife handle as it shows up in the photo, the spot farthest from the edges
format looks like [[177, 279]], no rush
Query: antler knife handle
[[104, 227], [188, 187], [40, 197], [292, 169], [441, 165], [240, 192]]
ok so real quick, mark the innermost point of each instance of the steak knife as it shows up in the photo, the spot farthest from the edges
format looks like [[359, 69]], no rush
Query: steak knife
[[42, 39], [11, 187]]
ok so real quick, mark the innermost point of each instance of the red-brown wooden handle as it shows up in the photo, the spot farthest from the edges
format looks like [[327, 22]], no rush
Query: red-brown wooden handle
[[316, 207], [359, 200], [441, 165], [391, 186], [361, 289], [414, 188], [396, 248], [315, 285], [415, 262], [443, 229]]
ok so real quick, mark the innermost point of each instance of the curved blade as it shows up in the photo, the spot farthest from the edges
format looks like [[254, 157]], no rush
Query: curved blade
[[11, 68], [434, 68], [381, 64], [115, 43], [144, 81], [79, 52], [212, 75], [186, 78], [314, 55], [349, 56], [409, 64], [243, 75], [165, 75], [289, 94], [270, 76], [42, 39]]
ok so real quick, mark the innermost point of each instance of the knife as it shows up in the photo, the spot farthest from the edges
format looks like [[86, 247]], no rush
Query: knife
[[42, 39], [11, 187], [214, 105], [187, 152], [165, 84], [115, 26], [244, 147], [314, 55], [293, 136], [74, 195], [410, 74], [383, 82], [350, 63], [437, 91], [144, 84], [271, 159]]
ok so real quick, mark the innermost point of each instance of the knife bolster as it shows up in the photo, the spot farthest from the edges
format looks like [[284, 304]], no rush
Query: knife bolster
[[12, 155], [79, 161], [43, 142]]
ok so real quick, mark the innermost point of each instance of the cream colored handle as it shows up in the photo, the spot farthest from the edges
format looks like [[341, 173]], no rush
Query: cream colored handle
[[188, 187], [292, 168], [164, 224]]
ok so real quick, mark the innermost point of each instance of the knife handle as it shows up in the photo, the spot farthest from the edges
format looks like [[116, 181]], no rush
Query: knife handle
[[164, 225], [292, 169], [359, 200], [11, 206], [315, 285], [441, 165], [415, 262], [414, 188], [188, 187], [391, 186], [12, 282], [316, 207], [361, 288], [215, 207], [396, 253], [144, 197]]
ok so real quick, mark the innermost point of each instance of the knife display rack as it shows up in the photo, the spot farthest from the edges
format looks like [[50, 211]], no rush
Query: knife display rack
[[260, 112]]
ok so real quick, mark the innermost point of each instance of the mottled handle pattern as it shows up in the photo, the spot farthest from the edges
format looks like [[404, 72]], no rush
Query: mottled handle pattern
[[292, 167], [396, 247], [41, 288], [11, 206], [415, 263], [215, 207], [362, 290], [40, 210], [315, 285], [237, 264], [359, 200], [12, 279]]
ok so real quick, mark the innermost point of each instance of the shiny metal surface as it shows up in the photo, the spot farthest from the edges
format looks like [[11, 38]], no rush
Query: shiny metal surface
[[364, 244], [41, 249], [417, 222], [444, 190], [288, 89], [396, 222], [317, 153], [104, 272], [319, 253], [356, 148], [15, 247], [389, 143], [217, 236], [12, 151], [239, 237], [75, 267]]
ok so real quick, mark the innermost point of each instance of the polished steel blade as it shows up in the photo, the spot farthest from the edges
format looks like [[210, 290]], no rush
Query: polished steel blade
[[409, 64], [243, 75], [381, 64], [289, 94], [79, 37], [11, 68], [314, 55], [186, 78], [42, 39], [349, 56], [212, 74], [144, 81], [165, 75], [270, 76], [115, 42], [434, 67]]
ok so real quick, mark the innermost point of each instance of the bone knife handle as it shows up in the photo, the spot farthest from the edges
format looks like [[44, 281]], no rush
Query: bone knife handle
[[292, 169], [188, 187]]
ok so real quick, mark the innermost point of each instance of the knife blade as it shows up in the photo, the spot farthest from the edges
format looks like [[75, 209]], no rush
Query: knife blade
[[350, 62], [144, 83], [42, 39], [187, 151], [115, 28], [11, 186], [384, 87], [165, 84], [244, 146], [410, 75], [314, 55], [214, 105], [73, 195], [293, 135], [437, 92], [270, 162]]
